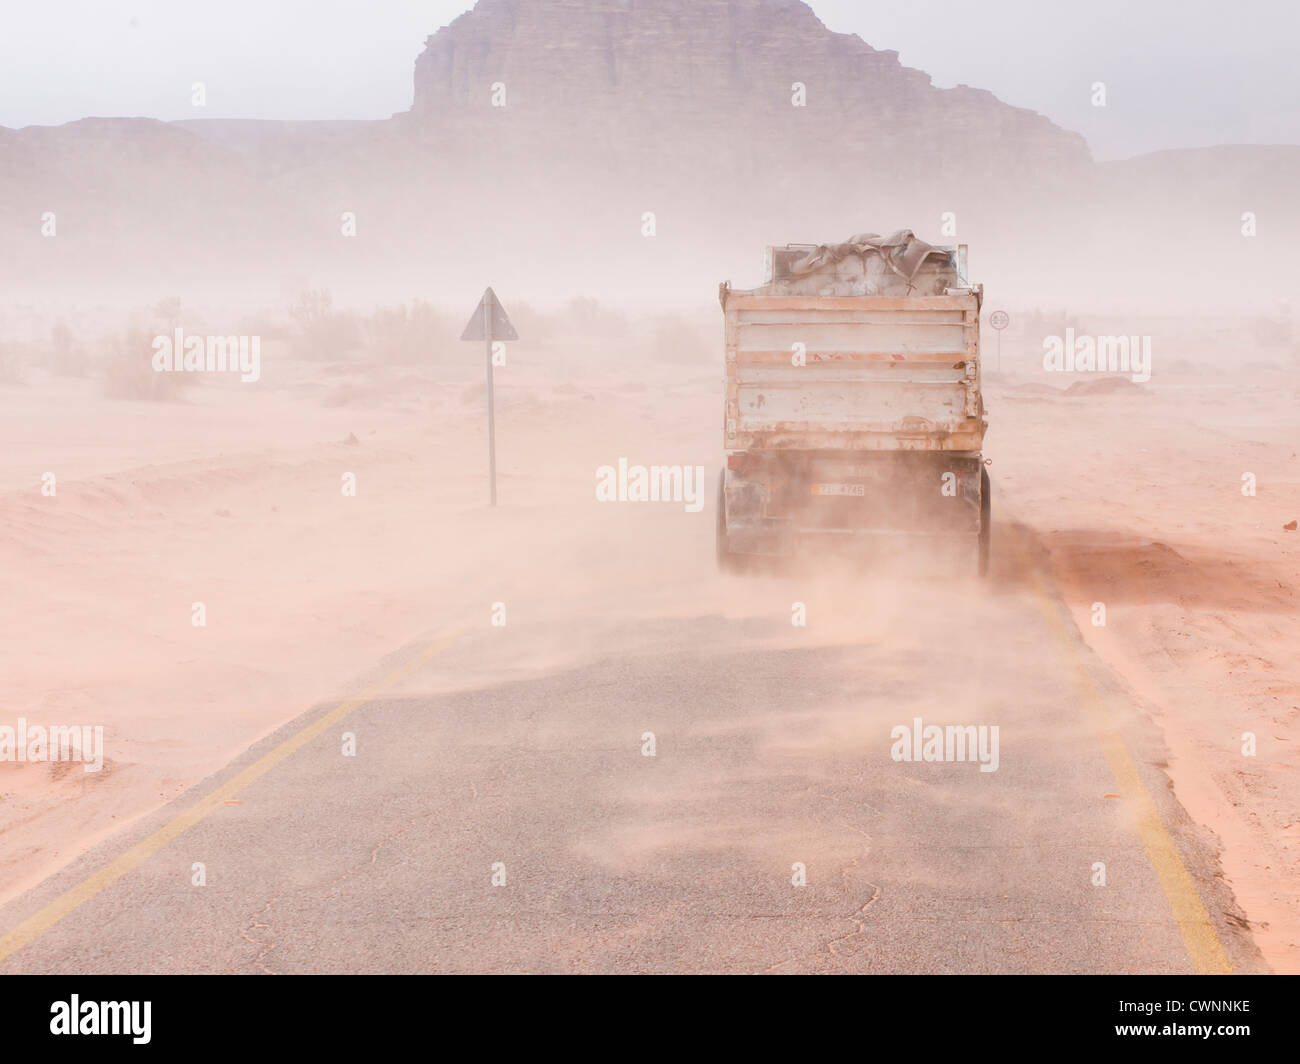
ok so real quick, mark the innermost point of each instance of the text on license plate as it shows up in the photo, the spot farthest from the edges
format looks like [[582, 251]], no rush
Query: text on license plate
[[859, 490]]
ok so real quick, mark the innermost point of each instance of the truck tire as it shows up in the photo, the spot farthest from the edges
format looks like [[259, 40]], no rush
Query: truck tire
[[726, 560], [986, 521]]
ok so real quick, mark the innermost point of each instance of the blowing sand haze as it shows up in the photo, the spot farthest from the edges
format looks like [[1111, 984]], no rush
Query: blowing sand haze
[[702, 486]]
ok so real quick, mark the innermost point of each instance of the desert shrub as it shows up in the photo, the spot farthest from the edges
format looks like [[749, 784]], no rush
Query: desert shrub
[[580, 321], [683, 341], [129, 372], [11, 363], [1278, 331], [588, 317], [66, 357], [322, 334], [407, 335]]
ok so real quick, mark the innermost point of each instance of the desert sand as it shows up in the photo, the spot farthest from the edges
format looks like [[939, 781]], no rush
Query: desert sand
[[232, 496]]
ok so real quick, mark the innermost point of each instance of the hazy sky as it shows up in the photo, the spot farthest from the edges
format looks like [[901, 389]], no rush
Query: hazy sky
[[1179, 73]]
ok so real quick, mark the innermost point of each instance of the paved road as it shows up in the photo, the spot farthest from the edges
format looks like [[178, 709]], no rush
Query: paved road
[[768, 752]]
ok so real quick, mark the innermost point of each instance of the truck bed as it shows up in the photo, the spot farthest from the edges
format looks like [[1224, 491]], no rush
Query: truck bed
[[881, 374]]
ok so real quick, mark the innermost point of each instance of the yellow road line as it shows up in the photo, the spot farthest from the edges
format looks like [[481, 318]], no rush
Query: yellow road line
[[1198, 933], [37, 924], [1194, 924]]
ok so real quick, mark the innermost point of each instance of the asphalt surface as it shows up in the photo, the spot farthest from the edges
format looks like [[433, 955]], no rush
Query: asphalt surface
[[767, 753]]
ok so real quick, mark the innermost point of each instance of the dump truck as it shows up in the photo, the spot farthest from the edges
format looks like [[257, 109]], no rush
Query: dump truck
[[853, 403]]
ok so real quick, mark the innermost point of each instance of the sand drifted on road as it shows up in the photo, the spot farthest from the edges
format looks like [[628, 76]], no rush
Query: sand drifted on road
[[231, 505], [1187, 588]]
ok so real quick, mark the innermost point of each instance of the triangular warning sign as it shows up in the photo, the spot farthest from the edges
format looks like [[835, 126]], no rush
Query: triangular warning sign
[[489, 321]]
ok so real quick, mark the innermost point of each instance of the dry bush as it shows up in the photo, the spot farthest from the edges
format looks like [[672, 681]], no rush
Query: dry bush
[[66, 357], [415, 335], [581, 321], [683, 340], [11, 363], [589, 318], [129, 372], [1276, 331], [323, 335]]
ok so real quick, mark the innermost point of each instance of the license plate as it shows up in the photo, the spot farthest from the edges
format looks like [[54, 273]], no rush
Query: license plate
[[858, 490]]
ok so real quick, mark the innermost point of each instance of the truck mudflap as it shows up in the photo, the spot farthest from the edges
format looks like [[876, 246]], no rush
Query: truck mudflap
[[774, 502]]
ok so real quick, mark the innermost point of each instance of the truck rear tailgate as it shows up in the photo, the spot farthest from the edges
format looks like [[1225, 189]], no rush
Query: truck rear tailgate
[[856, 373]]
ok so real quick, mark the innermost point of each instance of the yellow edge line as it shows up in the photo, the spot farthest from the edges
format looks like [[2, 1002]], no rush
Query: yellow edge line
[[1194, 924], [1198, 933], [37, 924]]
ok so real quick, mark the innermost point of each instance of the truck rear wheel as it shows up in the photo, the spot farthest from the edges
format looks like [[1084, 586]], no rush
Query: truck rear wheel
[[726, 560], [986, 521]]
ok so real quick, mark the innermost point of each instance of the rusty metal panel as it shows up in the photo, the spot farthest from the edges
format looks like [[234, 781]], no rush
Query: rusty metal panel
[[875, 373], [804, 304], [818, 336], [873, 405], [748, 372], [904, 437], [951, 316]]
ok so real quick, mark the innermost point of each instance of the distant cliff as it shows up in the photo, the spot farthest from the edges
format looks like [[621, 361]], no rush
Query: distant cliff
[[549, 139], [641, 79]]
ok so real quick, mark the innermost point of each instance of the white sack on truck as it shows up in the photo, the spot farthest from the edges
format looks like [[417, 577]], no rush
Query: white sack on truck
[[866, 265]]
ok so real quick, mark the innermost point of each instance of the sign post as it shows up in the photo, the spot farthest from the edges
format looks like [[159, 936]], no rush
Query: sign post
[[490, 324], [999, 319]]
